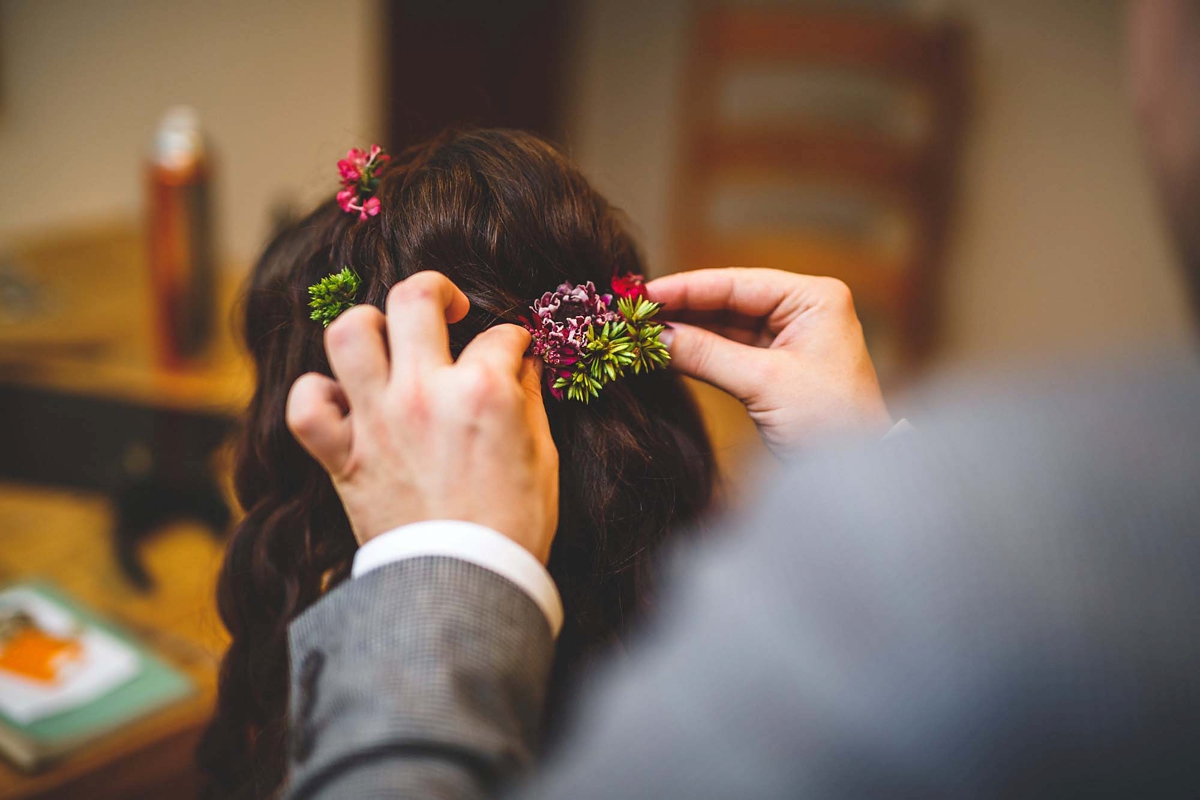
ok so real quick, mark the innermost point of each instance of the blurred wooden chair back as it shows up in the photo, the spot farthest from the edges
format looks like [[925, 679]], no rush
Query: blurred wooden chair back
[[826, 143]]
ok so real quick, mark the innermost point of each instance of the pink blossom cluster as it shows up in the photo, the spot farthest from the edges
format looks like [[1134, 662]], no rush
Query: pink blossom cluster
[[357, 171], [561, 319]]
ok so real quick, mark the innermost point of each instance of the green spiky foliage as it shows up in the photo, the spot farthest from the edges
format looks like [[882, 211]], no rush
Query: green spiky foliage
[[579, 385], [332, 295], [649, 351], [608, 351], [613, 350]]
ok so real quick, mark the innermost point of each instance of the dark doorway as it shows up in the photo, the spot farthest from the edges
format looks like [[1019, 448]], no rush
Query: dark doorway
[[471, 63]]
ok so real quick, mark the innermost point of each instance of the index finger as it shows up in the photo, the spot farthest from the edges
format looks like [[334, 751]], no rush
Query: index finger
[[743, 291], [418, 310]]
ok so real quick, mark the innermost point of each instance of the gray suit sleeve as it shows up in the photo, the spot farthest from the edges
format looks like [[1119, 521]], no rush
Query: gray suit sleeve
[[423, 678], [1002, 606]]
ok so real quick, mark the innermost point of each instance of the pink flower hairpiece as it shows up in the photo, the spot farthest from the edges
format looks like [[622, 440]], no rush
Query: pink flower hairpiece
[[587, 341], [359, 181]]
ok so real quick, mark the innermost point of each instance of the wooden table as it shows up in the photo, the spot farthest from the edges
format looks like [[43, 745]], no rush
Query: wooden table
[[61, 536], [91, 331], [88, 343]]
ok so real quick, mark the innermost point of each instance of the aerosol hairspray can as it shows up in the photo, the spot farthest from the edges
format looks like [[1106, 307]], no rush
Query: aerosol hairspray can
[[182, 268]]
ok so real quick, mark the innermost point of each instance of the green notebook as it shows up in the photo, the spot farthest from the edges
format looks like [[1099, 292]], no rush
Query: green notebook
[[152, 685]]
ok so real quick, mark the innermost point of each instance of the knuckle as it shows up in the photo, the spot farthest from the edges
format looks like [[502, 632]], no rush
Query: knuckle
[[837, 293], [417, 288], [479, 382], [339, 333], [350, 325], [702, 353], [302, 419], [486, 390], [411, 401], [409, 291], [427, 278], [301, 412]]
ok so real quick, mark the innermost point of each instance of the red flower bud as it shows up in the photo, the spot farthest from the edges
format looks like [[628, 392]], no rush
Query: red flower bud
[[632, 286]]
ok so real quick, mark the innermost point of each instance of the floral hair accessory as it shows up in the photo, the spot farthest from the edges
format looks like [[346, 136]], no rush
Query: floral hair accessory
[[587, 341], [332, 295], [359, 180]]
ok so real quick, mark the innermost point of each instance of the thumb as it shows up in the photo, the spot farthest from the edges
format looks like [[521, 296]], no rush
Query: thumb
[[710, 357], [535, 402], [530, 375], [530, 378]]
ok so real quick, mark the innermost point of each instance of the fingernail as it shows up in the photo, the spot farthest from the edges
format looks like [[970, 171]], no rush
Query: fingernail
[[667, 337]]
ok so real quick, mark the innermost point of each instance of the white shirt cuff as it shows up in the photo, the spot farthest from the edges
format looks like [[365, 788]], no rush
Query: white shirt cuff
[[899, 429], [466, 541]]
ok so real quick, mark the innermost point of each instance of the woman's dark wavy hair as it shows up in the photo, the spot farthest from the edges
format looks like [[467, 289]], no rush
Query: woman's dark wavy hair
[[506, 217]]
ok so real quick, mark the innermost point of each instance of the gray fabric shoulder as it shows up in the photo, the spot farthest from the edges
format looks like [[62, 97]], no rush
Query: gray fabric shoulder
[[1001, 604], [414, 665]]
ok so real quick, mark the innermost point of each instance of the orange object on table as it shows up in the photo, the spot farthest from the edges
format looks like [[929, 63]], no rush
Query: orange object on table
[[39, 656]]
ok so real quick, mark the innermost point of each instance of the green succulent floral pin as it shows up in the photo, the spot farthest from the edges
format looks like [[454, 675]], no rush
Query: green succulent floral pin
[[332, 295]]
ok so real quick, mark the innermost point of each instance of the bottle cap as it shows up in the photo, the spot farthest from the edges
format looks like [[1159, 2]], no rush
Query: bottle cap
[[179, 143]]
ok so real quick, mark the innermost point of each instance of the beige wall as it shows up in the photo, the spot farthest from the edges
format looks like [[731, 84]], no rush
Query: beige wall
[[622, 110], [1059, 240], [1058, 244], [284, 88]]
